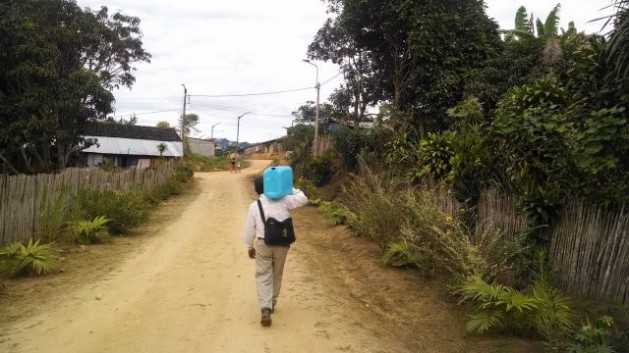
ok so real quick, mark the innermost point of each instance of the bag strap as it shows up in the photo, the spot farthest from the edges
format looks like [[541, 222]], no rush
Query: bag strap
[[261, 211]]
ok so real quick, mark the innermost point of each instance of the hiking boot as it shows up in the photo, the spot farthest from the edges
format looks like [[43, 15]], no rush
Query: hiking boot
[[265, 320]]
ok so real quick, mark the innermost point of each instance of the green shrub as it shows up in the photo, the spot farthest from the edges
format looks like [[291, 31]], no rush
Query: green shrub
[[336, 212], [398, 254], [307, 187], [32, 258], [195, 162], [320, 169], [123, 209], [183, 173], [593, 336], [52, 215], [545, 310], [434, 155], [89, 232], [378, 212], [351, 143]]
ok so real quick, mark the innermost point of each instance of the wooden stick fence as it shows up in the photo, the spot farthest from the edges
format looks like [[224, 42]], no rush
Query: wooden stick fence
[[497, 214], [21, 196], [589, 252]]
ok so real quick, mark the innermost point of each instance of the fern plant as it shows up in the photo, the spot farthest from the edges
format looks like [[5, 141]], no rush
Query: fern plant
[[89, 232], [398, 254], [336, 212], [545, 310], [593, 336], [496, 305], [32, 258]]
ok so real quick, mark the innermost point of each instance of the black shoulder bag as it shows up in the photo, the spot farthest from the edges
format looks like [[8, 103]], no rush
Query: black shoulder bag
[[276, 232]]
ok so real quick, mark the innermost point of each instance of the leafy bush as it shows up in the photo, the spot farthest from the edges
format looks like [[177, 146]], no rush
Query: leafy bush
[[336, 212], [350, 143], [32, 258], [307, 187], [593, 336], [123, 209], [320, 169], [89, 232], [435, 153]]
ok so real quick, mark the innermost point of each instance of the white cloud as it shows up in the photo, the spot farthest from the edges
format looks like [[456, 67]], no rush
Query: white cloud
[[249, 46]]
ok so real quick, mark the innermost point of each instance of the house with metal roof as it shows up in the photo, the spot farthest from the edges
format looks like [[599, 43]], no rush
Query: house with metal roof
[[130, 145]]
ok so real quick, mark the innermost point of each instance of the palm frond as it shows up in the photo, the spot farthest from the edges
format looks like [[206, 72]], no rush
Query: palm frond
[[551, 25], [540, 28], [521, 20], [483, 321]]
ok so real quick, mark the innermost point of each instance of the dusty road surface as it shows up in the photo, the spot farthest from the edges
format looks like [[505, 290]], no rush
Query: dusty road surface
[[190, 288]]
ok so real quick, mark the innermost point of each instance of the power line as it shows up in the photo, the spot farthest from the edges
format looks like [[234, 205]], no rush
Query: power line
[[249, 94], [155, 112], [331, 78]]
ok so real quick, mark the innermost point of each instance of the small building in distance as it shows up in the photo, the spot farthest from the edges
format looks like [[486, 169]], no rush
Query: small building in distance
[[202, 147]]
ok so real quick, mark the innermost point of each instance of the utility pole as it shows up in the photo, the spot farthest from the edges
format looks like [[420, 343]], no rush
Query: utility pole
[[183, 120], [318, 87]]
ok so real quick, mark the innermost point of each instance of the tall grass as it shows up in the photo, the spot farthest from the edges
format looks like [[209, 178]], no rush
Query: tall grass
[[422, 227], [52, 215]]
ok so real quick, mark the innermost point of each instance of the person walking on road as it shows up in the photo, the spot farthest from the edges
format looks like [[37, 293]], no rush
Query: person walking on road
[[232, 161], [269, 259]]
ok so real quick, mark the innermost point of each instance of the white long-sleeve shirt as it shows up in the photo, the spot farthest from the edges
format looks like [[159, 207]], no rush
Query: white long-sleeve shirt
[[278, 209]]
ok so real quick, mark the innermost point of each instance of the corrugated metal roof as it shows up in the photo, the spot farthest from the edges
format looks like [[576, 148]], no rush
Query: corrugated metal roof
[[120, 146]]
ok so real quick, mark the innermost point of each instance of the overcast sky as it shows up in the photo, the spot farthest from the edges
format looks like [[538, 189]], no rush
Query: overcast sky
[[219, 48]]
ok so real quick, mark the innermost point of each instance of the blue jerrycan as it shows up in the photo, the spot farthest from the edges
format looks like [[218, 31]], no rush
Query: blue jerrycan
[[278, 182]]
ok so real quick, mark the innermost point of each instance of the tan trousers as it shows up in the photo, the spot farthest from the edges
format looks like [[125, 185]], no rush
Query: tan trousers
[[269, 270]]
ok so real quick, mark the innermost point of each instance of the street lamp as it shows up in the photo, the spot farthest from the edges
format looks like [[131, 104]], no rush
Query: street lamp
[[318, 87], [238, 134], [212, 133]]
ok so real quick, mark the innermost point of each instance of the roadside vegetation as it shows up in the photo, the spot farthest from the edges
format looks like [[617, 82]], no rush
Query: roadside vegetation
[[200, 163], [90, 216], [536, 114]]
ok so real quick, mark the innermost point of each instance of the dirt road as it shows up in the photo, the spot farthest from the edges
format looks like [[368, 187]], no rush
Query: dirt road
[[190, 288]]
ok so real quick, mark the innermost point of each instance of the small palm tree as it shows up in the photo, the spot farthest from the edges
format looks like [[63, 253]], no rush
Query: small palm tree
[[89, 232], [162, 148], [32, 258]]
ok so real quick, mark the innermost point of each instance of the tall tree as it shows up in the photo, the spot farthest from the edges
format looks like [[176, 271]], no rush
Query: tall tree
[[57, 64], [416, 51], [189, 123]]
